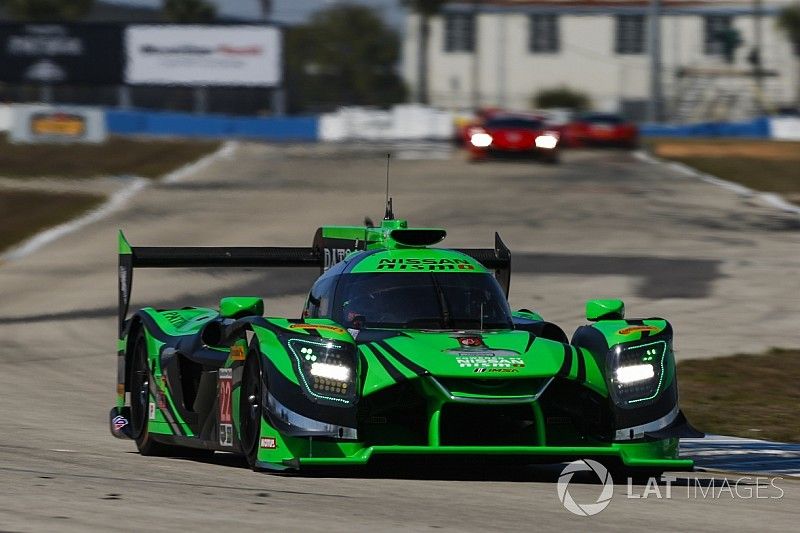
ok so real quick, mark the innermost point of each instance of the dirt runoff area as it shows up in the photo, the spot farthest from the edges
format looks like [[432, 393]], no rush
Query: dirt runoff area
[[43, 185], [763, 165], [23, 213]]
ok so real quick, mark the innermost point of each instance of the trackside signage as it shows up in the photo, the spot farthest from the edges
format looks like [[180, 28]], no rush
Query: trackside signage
[[197, 55], [61, 53], [57, 124]]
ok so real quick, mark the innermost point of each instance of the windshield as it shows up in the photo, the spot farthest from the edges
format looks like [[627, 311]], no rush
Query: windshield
[[421, 301], [602, 119], [514, 123]]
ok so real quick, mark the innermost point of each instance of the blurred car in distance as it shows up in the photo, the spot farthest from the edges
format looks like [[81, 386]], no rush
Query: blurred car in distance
[[512, 135], [600, 129]]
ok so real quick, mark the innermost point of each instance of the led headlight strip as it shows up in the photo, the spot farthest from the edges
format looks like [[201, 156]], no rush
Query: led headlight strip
[[307, 352], [636, 373]]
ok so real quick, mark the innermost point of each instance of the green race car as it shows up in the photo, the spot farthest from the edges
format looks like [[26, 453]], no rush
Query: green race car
[[402, 351]]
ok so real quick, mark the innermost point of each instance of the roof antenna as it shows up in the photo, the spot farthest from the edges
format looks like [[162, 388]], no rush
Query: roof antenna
[[389, 213]]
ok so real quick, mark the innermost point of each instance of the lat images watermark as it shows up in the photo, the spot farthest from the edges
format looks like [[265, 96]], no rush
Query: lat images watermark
[[668, 486]]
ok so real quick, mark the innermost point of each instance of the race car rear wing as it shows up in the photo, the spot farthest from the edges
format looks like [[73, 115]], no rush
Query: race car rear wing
[[131, 257]]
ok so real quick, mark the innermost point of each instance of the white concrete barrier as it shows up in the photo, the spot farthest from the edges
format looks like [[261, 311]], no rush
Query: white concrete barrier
[[401, 122], [785, 128], [5, 117]]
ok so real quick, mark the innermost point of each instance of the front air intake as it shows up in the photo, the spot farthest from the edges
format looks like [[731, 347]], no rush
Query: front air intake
[[418, 237]]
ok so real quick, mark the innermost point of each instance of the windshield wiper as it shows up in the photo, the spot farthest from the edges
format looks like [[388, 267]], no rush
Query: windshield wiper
[[446, 322]]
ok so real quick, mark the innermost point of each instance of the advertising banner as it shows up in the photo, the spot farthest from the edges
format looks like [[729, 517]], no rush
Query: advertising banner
[[203, 55], [61, 53], [57, 124]]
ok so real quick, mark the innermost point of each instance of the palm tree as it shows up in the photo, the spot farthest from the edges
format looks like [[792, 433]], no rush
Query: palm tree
[[789, 22], [425, 9], [47, 10], [189, 11]]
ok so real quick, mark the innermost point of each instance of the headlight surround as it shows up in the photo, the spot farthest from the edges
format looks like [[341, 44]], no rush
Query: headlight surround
[[327, 369], [636, 372]]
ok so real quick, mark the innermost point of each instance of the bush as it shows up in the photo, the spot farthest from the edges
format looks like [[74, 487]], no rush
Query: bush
[[561, 97]]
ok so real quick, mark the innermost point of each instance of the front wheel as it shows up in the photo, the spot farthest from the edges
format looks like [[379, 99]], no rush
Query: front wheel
[[250, 408]]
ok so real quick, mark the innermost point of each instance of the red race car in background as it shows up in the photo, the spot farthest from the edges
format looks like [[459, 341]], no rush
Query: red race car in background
[[512, 135], [600, 129]]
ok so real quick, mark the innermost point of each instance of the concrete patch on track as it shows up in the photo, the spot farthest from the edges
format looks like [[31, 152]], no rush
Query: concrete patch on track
[[734, 454], [660, 277]]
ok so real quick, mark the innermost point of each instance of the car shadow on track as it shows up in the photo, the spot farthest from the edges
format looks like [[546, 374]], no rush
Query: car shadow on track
[[466, 470]]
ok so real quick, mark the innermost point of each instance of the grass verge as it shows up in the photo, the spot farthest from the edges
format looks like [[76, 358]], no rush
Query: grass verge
[[150, 158], [753, 396], [771, 166], [24, 213]]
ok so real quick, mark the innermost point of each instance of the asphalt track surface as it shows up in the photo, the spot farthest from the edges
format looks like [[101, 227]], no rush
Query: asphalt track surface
[[722, 267]]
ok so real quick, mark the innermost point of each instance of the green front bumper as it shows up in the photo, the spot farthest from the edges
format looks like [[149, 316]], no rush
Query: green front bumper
[[656, 455]]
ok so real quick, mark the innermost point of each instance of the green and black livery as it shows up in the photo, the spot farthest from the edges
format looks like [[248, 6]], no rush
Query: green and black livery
[[402, 350]]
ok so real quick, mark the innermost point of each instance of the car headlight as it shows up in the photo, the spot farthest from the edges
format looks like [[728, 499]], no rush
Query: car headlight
[[480, 140], [327, 369], [636, 372], [547, 141]]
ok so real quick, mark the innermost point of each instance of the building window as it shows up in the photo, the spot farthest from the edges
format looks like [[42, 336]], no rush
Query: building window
[[715, 27], [459, 32], [543, 34], [630, 34]]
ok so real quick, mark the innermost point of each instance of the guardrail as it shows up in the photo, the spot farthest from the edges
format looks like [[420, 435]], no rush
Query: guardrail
[[303, 128], [759, 127]]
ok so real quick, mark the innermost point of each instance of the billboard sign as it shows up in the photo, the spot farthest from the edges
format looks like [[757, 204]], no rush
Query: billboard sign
[[57, 124], [61, 53], [197, 55]]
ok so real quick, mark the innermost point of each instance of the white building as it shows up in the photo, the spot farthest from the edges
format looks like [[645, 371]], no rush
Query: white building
[[502, 52]]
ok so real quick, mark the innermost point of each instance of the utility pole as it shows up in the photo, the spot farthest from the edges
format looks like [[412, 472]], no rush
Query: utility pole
[[476, 71], [654, 107], [501, 61], [758, 37]]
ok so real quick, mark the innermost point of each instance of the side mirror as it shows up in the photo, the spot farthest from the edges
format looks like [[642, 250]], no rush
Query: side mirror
[[605, 310], [239, 306]]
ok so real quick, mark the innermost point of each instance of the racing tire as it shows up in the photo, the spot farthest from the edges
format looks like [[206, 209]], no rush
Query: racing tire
[[140, 399], [250, 408], [552, 159]]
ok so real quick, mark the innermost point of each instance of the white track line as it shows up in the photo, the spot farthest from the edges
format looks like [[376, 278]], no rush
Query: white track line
[[718, 452], [115, 202], [767, 197], [224, 151]]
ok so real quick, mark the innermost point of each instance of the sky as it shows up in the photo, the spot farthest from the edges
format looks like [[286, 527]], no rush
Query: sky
[[287, 11]]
